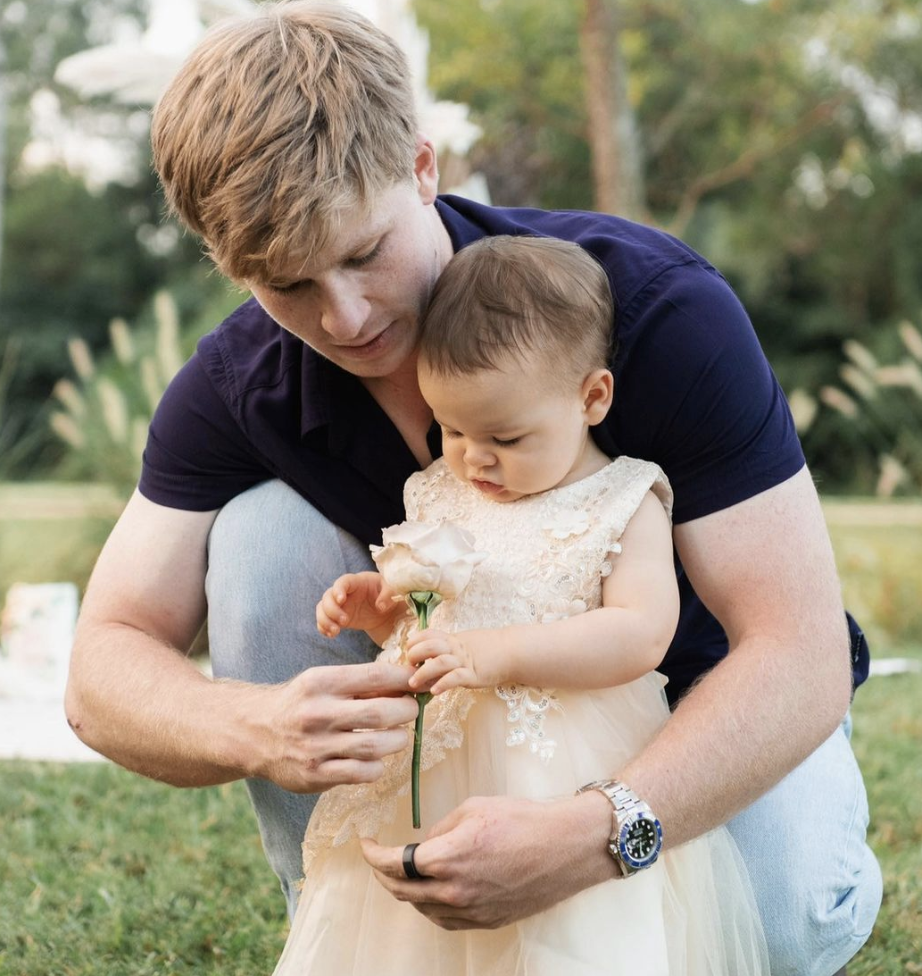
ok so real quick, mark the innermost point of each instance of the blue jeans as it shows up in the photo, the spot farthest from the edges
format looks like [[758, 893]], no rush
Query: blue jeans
[[271, 556]]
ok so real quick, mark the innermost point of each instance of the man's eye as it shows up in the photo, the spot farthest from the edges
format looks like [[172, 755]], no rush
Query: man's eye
[[288, 289], [511, 442], [362, 259]]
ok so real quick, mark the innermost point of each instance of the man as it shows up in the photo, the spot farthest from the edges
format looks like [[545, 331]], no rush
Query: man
[[289, 143]]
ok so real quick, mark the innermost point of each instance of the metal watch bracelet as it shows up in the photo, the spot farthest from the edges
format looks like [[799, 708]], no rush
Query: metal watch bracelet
[[637, 836]]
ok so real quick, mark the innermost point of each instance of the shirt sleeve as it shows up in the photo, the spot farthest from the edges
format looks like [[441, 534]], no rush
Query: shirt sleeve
[[197, 457], [696, 394]]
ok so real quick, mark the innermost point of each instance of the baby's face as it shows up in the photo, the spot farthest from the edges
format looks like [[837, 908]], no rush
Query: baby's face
[[511, 432]]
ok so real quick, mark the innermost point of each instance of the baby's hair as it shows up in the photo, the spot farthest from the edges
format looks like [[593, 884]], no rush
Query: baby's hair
[[279, 125], [504, 297]]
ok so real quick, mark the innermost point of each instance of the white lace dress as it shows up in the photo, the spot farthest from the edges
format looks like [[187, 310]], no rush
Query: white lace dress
[[691, 914]]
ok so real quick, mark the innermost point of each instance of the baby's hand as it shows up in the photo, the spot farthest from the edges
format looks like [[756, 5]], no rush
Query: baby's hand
[[449, 660], [359, 601]]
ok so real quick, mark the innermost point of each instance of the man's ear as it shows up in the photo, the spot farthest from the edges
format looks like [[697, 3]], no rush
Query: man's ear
[[426, 170], [597, 392]]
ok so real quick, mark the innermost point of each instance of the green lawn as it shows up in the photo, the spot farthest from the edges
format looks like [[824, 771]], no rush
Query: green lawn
[[888, 743], [103, 873]]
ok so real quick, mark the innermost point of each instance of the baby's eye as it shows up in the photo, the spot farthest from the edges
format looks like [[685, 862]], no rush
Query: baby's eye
[[510, 442], [450, 433]]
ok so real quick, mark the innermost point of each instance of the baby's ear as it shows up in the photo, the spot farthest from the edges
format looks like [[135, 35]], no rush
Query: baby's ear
[[597, 391]]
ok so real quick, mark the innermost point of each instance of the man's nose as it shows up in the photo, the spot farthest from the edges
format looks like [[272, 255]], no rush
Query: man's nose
[[344, 310]]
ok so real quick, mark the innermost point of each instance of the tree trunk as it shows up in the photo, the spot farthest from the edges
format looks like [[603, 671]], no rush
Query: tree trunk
[[613, 141]]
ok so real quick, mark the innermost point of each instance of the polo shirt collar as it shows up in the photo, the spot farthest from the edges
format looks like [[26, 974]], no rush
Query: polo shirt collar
[[461, 229]]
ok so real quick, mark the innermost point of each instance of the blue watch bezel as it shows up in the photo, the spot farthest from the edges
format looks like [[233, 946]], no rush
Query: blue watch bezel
[[624, 830]]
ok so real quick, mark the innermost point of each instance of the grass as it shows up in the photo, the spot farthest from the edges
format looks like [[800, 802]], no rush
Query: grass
[[104, 873], [888, 743]]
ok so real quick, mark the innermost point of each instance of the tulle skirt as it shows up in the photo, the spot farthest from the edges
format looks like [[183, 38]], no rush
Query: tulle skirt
[[691, 914]]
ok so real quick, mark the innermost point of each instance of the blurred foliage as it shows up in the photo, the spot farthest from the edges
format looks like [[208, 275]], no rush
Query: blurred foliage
[[782, 139], [874, 412], [102, 415], [74, 255], [103, 418]]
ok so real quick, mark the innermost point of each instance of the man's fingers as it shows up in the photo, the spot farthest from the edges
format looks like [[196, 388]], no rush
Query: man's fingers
[[368, 746], [387, 863], [370, 713], [357, 680], [354, 757], [434, 896]]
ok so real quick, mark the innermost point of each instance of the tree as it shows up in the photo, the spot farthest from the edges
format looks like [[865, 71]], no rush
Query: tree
[[611, 127]]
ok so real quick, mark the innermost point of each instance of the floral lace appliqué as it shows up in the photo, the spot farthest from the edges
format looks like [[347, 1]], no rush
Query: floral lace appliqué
[[526, 709], [566, 524]]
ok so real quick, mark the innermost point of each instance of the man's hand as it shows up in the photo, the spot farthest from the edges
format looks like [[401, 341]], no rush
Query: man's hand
[[495, 860], [360, 601], [332, 725]]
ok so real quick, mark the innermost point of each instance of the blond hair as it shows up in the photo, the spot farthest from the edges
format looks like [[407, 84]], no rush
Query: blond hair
[[277, 126], [504, 297]]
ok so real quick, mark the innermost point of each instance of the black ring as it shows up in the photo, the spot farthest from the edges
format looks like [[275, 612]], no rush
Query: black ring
[[409, 865]]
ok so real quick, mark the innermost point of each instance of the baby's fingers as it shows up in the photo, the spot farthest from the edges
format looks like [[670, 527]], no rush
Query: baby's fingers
[[457, 678], [428, 673], [425, 644], [330, 615]]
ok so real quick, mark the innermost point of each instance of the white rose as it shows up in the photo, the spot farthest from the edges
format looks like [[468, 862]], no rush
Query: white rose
[[417, 556]]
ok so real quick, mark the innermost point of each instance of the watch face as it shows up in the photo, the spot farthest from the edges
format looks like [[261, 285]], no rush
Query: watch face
[[640, 841]]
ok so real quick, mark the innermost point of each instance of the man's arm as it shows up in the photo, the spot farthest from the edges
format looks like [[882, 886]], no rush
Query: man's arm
[[765, 569], [133, 695]]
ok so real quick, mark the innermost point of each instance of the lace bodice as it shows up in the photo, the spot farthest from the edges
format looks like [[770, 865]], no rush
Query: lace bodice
[[547, 553]]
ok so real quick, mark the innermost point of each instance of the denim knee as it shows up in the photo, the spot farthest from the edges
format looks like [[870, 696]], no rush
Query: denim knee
[[824, 926], [271, 555], [816, 881]]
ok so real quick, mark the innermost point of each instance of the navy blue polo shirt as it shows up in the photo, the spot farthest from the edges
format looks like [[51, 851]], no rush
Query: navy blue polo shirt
[[693, 392]]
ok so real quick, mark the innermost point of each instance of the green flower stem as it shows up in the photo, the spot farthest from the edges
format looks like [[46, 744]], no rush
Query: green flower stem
[[423, 700], [422, 602]]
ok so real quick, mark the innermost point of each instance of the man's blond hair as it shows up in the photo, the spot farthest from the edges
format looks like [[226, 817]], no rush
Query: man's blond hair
[[279, 125]]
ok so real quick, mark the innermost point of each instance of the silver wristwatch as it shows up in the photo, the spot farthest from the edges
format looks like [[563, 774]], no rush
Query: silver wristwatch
[[636, 836]]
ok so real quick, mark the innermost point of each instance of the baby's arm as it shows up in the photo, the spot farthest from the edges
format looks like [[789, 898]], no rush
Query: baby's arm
[[360, 601], [625, 638]]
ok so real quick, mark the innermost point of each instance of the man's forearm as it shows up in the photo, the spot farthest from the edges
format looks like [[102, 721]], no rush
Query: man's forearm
[[144, 705], [739, 731]]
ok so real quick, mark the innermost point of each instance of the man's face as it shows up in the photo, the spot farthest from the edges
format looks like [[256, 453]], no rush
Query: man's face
[[359, 303]]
